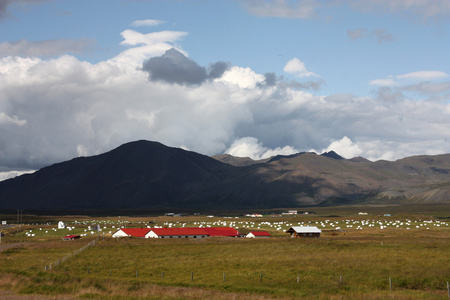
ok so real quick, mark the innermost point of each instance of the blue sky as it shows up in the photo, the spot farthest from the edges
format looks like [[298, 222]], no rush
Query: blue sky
[[363, 78]]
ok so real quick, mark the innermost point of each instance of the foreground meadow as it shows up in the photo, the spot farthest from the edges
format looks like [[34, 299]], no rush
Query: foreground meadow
[[366, 258]]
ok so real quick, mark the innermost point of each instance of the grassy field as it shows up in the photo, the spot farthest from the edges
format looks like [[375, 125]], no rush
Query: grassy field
[[355, 261]]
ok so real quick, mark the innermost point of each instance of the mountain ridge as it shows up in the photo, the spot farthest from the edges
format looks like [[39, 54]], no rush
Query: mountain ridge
[[145, 174]]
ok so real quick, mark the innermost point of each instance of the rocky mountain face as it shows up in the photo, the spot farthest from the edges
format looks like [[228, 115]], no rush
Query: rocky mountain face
[[148, 175]]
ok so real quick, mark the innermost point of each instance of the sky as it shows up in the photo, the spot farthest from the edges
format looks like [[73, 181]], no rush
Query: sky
[[247, 78]]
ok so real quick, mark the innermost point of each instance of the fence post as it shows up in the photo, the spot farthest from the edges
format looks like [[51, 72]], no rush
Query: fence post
[[223, 276], [448, 289], [162, 275], [260, 279], [390, 284]]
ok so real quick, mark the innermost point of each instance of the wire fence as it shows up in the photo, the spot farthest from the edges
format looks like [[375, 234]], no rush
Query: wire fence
[[388, 283], [65, 258]]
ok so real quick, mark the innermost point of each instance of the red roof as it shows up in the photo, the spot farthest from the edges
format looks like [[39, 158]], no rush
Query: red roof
[[71, 237], [260, 233], [136, 232], [179, 231], [221, 231]]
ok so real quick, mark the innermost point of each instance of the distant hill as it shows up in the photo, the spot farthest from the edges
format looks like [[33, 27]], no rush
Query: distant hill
[[149, 175]]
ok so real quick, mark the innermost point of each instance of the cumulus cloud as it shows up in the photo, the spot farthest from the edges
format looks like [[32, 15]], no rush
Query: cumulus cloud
[[428, 83], [297, 67], [55, 109], [345, 148], [12, 174], [175, 67], [46, 48], [250, 147]]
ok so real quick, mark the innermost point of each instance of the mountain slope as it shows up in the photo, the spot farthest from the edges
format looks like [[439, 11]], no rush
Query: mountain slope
[[145, 174], [137, 174]]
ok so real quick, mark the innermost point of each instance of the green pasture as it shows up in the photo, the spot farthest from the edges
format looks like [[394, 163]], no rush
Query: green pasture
[[402, 256], [281, 267]]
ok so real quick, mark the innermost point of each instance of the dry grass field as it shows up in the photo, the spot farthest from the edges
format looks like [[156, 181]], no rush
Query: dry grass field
[[369, 257]]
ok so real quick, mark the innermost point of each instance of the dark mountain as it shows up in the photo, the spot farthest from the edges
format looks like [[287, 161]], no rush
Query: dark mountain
[[138, 174], [332, 154], [150, 175]]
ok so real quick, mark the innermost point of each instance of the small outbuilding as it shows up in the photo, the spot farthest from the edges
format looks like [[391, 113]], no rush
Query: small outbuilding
[[61, 225], [258, 234], [304, 231]]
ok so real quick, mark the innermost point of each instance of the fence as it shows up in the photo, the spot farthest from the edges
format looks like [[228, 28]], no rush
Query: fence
[[339, 281], [65, 258]]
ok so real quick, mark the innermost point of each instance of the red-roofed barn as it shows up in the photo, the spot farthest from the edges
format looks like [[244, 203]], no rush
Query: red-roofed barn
[[134, 232], [169, 233], [221, 231]]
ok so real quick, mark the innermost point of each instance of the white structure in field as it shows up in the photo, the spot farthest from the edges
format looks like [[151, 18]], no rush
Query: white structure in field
[[304, 231], [258, 234], [61, 225]]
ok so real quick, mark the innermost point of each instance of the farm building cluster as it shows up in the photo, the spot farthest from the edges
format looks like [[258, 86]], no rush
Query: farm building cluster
[[186, 232], [252, 227]]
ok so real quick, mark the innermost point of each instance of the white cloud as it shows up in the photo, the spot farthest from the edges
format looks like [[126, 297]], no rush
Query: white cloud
[[390, 81], [242, 77], [423, 75], [74, 108], [4, 118], [12, 174], [250, 147], [149, 45], [417, 76], [148, 22], [345, 148], [298, 68], [46, 48]]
